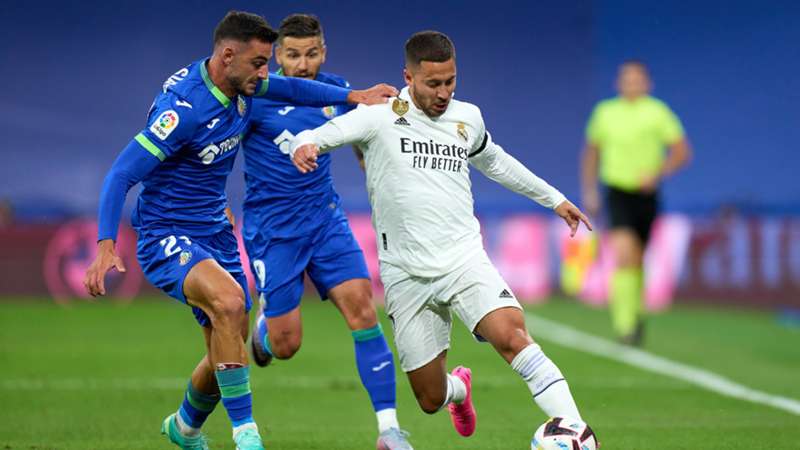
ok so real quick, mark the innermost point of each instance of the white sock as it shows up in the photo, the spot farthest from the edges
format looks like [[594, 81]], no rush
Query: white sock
[[184, 428], [244, 426], [548, 386], [456, 390], [387, 418]]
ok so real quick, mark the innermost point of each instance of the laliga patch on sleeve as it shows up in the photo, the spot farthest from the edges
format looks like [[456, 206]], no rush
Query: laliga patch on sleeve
[[165, 124]]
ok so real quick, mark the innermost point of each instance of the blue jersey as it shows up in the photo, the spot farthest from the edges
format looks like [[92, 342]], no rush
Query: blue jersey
[[195, 130], [186, 151], [281, 201]]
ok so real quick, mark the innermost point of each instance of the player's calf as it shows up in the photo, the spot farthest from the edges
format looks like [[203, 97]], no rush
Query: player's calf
[[547, 385]]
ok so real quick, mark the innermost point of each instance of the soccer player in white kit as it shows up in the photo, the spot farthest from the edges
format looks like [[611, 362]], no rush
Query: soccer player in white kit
[[418, 150]]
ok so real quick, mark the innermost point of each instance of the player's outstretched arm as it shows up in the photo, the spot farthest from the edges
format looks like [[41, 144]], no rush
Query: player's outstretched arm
[[313, 93], [498, 165], [133, 164]]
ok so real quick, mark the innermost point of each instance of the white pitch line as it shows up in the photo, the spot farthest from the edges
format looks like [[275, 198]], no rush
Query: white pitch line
[[584, 342]]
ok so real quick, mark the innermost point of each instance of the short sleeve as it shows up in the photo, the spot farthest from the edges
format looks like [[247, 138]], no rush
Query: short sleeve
[[670, 127], [170, 126], [593, 127]]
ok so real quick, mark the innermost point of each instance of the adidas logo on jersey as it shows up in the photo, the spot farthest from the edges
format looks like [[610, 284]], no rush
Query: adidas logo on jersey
[[402, 121], [506, 294]]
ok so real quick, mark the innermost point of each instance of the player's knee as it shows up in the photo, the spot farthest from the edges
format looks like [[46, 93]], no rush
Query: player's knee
[[284, 345], [514, 341], [227, 305], [361, 314], [430, 399], [431, 402]]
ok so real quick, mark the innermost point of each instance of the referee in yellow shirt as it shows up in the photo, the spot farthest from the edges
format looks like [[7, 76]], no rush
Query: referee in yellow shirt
[[627, 139]]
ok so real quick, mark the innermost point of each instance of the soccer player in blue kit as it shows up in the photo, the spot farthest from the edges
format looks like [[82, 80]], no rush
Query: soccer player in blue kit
[[186, 245], [294, 223]]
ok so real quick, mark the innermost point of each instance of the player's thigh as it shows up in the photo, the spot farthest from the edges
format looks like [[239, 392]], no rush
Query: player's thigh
[[421, 327], [278, 265], [166, 260], [476, 290], [646, 212], [353, 298], [337, 259], [505, 329]]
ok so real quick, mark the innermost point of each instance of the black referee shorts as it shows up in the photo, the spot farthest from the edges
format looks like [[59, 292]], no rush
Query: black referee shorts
[[634, 210]]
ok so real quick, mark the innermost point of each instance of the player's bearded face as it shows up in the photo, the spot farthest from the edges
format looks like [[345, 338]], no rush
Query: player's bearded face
[[432, 85], [249, 65], [301, 57]]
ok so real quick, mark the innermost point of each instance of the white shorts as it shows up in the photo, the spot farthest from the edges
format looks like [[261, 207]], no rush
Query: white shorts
[[419, 308]]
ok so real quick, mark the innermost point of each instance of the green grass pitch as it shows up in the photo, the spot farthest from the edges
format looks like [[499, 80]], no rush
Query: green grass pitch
[[103, 375]]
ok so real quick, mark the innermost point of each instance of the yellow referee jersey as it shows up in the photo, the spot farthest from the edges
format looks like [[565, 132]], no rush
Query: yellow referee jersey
[[631, 137]]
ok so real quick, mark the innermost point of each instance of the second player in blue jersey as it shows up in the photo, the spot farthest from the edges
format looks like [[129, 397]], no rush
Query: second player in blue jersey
[[294, 224]]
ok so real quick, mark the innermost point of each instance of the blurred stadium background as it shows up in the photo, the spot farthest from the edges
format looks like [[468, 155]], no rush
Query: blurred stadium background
[[725, 259]]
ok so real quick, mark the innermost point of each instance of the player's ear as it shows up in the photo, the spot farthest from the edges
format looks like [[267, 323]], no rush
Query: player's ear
[[408, 76], [227, 55], [279, 55], [323, 53]]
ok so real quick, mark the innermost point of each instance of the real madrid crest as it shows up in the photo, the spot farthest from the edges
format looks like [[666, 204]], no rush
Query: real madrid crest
[[241, 106], [399, 106], [462, 131]]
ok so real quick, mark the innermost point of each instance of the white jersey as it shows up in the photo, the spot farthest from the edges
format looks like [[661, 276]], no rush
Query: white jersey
[[418, 179]]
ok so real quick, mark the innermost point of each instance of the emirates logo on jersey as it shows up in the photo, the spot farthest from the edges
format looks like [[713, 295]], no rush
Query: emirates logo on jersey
[[434, 156]]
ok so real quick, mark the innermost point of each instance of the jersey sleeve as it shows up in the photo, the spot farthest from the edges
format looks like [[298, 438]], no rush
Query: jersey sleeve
[[356, 127], [130, 167], [301, 92], [347, 107], [171, 124], [497, 165], [670, 127]]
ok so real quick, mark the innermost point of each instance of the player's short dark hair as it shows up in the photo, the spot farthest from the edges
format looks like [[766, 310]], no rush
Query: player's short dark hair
[[635, 62], [430, 46], [300, 26], [243, 27]]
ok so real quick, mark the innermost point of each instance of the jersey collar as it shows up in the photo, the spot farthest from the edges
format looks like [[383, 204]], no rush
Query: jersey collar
[[222, 98], [405, 94]]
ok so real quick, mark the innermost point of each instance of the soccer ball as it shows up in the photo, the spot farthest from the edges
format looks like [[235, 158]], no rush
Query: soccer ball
[[564, 433]]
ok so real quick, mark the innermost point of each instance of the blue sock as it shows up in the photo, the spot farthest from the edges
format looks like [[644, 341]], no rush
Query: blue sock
[[261, 327], [197, 406], [376, 367], [234, 386]]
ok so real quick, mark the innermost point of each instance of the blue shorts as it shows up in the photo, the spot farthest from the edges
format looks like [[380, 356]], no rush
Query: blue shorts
[[166, 259], [330, 254]]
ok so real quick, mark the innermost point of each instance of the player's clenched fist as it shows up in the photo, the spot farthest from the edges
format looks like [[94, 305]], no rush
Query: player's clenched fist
[[379, 93], [106, 260], [305, 158]]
